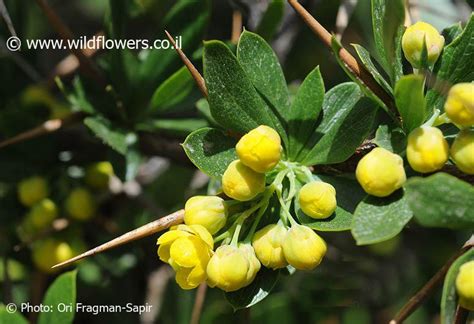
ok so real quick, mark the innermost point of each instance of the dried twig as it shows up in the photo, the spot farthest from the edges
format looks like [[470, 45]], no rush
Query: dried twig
[[66, 34], [352, 64], [192, 69], [198, 303], [7, 19], [461, 315], [47, 127], [236, 26], [58, 225], [429, 287], [344, 14], [138, 233]]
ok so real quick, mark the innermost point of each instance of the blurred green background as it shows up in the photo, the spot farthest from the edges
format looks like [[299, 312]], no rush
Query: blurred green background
[[354, 285]]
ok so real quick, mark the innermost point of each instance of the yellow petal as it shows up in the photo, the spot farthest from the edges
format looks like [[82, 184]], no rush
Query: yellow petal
[[204, 234], [170, 236]]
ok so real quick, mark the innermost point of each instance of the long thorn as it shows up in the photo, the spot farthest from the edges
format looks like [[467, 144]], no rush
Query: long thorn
[[358, 70], [428, 288], [138, 233], [47, 127], [192, 69]]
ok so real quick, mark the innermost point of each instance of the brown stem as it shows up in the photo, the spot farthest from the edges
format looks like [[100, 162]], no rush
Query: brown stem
[[461, 315], [192, 69], [236, 26], [66, 34], [138, 233], [356, 69], [47, 127], [6, 18], [57, 226], [429, 287], [198, 303]]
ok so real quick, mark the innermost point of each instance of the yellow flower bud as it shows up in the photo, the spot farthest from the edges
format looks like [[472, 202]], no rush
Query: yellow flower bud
[[188, 250], [303, 248], [459, 106], [50, 252], [43, 213], [260, 149], [318, 199], [462, 151], [254, 262], [208, 211], [427, 150], [242, 183], [232, 268], [98, 175], [380, 172], [465, 285], [267, 244], [32, 190], [80, 204], [413, 40]]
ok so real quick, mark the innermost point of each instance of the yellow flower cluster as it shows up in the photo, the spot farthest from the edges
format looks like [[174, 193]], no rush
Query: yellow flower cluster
[[234, 264], [381, 172], [79, 204]]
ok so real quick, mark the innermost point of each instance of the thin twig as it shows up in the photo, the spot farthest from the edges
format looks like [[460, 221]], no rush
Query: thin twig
[[192, 69], [58, 225], [346, 8], [198, 303], [7, 19], [352, 64], [138, 233], [429, 287], [47, 127], [236, 26], [461, 315], [70, 63], [66, 34]]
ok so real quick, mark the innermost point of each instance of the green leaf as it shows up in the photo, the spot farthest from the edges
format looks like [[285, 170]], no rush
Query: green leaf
[[450, 33], [304, 112], [176, 127], [390, 138], [116, 138], [348, 195], [379, 219], [262, 67], [188, 19], [271, 19], [410, 100], [338, 100], [455, 65], [172, 91], [11, 318], [336, 47], [441, 200], [342, 129], [449, 298], [256, 291], [211, 150], [133, 159], [62, 290], [365, 58], [234, 102], [388, 17]]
